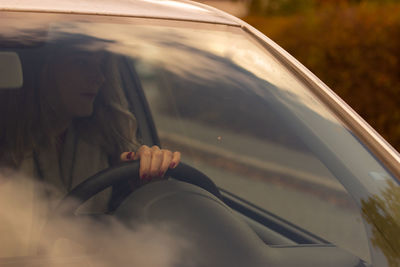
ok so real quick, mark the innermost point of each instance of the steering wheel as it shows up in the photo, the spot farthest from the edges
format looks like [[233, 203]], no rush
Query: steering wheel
[[124, 172]]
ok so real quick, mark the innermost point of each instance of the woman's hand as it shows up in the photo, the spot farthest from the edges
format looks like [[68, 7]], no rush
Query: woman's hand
[[154, 162]]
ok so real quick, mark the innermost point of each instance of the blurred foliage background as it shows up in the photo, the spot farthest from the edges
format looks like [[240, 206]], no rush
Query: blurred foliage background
[[352, 45]]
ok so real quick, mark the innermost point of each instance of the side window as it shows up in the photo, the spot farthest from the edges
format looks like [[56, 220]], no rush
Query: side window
[[236, 138]]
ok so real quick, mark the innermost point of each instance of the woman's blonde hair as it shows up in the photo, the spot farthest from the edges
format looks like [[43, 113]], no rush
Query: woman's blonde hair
[[112, 122], [26, 117]]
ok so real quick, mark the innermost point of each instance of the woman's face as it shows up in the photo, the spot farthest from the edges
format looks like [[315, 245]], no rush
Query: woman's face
[[78, 77]]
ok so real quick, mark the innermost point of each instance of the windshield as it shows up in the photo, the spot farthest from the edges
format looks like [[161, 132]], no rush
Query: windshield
[[93, 87]]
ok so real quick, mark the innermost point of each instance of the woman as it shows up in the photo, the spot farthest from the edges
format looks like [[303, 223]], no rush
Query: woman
[[72, 120]]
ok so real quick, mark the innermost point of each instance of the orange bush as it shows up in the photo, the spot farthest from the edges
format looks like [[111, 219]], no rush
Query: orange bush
[[355, 50]]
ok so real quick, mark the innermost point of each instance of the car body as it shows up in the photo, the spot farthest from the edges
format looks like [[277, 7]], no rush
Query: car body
[[302, 179]]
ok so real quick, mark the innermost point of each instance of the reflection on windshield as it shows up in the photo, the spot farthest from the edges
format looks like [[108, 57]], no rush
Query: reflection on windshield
[[261, 129], [150, 44], [100, 243], [382, 212]]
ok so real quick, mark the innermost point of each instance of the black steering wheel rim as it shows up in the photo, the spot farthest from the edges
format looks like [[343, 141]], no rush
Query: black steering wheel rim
[[124, 172]]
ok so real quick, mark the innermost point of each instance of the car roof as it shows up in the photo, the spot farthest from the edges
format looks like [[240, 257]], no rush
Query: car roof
[[165, 9]]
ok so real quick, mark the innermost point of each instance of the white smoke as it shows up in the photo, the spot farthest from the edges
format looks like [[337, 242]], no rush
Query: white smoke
[[27, 236]]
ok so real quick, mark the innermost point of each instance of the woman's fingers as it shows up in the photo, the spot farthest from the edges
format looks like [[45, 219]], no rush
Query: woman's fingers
[[167, 159], [145, 155], [176, 158], [154, 162]]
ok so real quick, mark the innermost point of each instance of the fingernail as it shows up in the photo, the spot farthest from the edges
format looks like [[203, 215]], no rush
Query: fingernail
[[172, 165], [144, 176], [129, 155], [161, 174]]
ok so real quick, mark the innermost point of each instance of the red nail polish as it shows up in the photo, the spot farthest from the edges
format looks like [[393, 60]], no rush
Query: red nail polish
[[144, 176], [172, 165], [129, 155], [161, 174]]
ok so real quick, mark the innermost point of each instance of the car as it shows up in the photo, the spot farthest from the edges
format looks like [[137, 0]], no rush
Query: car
[[276, 169]]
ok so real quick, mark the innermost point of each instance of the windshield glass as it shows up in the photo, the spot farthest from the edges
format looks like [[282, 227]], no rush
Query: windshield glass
[[94, 87]]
